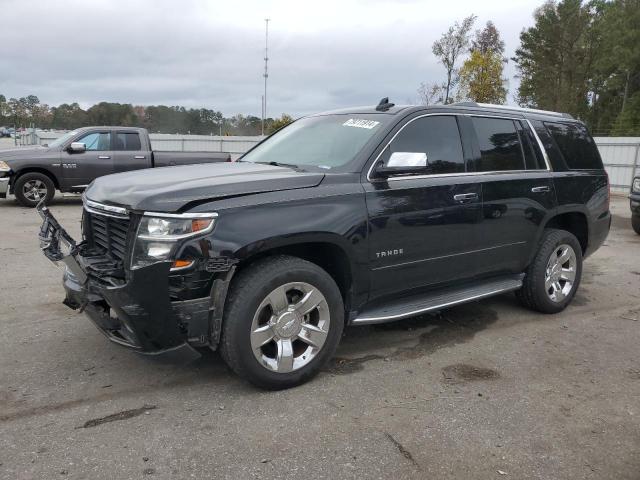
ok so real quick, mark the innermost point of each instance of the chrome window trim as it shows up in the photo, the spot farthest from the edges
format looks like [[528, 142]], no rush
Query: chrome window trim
[[459, 174]]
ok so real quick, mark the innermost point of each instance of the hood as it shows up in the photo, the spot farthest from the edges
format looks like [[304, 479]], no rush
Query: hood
[[168, 189], [20, 153]]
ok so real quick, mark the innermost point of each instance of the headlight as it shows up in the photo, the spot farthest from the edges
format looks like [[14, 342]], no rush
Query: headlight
[[636, 185], [159, 234], [4, 167]]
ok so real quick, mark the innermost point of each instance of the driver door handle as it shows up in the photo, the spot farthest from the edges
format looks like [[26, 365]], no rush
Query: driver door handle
[[542, 189], [104, 157], [465, 197]]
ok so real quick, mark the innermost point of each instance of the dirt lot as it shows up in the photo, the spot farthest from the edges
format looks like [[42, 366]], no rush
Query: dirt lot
[[486, 390]]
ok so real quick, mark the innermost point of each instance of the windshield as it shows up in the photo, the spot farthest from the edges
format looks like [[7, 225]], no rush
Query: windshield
[[61, 140], [327, 141]]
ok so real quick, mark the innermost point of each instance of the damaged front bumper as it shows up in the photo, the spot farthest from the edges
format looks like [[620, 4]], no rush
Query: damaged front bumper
[[135, 312]]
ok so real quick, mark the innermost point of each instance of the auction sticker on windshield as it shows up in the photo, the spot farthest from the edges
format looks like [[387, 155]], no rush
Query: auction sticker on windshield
[[360, 123]]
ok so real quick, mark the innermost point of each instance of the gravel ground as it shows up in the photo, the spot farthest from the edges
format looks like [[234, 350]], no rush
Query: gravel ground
[[486, 390]]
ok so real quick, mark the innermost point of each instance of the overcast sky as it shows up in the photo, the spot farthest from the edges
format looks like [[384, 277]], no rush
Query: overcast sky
[[322, 54]]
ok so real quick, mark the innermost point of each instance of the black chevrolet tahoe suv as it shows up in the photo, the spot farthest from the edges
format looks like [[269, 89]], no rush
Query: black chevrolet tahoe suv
[[350, 217]]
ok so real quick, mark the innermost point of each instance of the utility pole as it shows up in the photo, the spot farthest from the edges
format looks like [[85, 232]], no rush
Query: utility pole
[[266, 71]]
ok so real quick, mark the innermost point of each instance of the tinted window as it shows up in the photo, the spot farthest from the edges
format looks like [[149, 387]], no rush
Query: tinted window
[[576, 145], [436, 136], [127, 141], [96, 141], [500, 147]]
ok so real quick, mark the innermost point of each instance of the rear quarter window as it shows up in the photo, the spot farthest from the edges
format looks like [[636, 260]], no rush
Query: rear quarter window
[[578, 149]]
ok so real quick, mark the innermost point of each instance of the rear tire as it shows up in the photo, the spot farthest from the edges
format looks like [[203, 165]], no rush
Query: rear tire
[[283, 320], [635, 223], [31, 188], [552, 279]]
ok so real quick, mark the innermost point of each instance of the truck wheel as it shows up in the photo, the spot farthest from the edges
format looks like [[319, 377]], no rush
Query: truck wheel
[[31, 188], [635, 223], [554, 275], [282, 322]]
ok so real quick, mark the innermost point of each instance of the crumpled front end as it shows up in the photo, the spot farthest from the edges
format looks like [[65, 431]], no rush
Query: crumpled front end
[[151, 309]]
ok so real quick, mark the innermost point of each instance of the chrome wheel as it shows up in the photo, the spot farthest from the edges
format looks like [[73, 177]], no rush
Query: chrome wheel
[[560, 274], [290, 327], [34, 190]]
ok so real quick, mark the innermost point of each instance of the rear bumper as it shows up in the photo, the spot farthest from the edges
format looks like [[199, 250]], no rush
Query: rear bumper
[[4, 186], [598, 232]]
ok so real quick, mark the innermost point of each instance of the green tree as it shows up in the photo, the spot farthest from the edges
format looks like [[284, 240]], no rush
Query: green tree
[[616, 76], [481, 77], [451, 45], [278, 123], [488, 40], [555, 58]]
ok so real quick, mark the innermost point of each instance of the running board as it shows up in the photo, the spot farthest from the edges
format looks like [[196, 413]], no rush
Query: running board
[[437, 300]]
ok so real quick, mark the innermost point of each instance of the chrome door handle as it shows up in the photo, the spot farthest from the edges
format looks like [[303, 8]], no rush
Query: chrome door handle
[[540, 189], [139, 157], [464, 197], [104, 157]]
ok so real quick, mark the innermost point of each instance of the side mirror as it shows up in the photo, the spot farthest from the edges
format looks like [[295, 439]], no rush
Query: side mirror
[[77, 147], [404, 163]]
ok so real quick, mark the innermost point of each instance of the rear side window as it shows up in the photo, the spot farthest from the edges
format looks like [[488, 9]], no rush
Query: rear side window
[[436, 136], [127, 141], [500, 147], [576, 145]]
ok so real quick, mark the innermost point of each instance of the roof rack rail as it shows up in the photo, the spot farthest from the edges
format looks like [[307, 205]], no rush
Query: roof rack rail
[[510, 107]]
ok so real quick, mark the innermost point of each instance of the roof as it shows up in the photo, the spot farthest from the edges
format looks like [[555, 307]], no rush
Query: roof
[[460, 106]]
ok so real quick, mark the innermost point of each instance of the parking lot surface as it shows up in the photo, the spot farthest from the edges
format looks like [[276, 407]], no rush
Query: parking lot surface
[[484, 390]]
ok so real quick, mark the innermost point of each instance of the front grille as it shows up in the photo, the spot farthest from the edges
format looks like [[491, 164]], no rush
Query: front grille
[[109, 234]]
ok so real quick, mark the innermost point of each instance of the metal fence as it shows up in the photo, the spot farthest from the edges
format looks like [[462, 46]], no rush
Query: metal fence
[[621, 155], [621, 158]]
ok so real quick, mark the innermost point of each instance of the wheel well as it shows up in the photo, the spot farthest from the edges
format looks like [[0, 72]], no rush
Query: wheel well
[[36, 170], [328, 256], [575, 223]]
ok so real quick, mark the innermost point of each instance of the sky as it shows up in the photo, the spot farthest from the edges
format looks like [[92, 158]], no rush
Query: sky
[[210, 53]]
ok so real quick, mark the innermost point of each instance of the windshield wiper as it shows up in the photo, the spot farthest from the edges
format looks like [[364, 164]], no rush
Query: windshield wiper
[[280, 164]]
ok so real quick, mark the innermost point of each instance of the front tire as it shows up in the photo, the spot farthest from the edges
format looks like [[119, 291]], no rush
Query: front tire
[[552, 279], [282, 322], [635, 223], [31, 188]]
